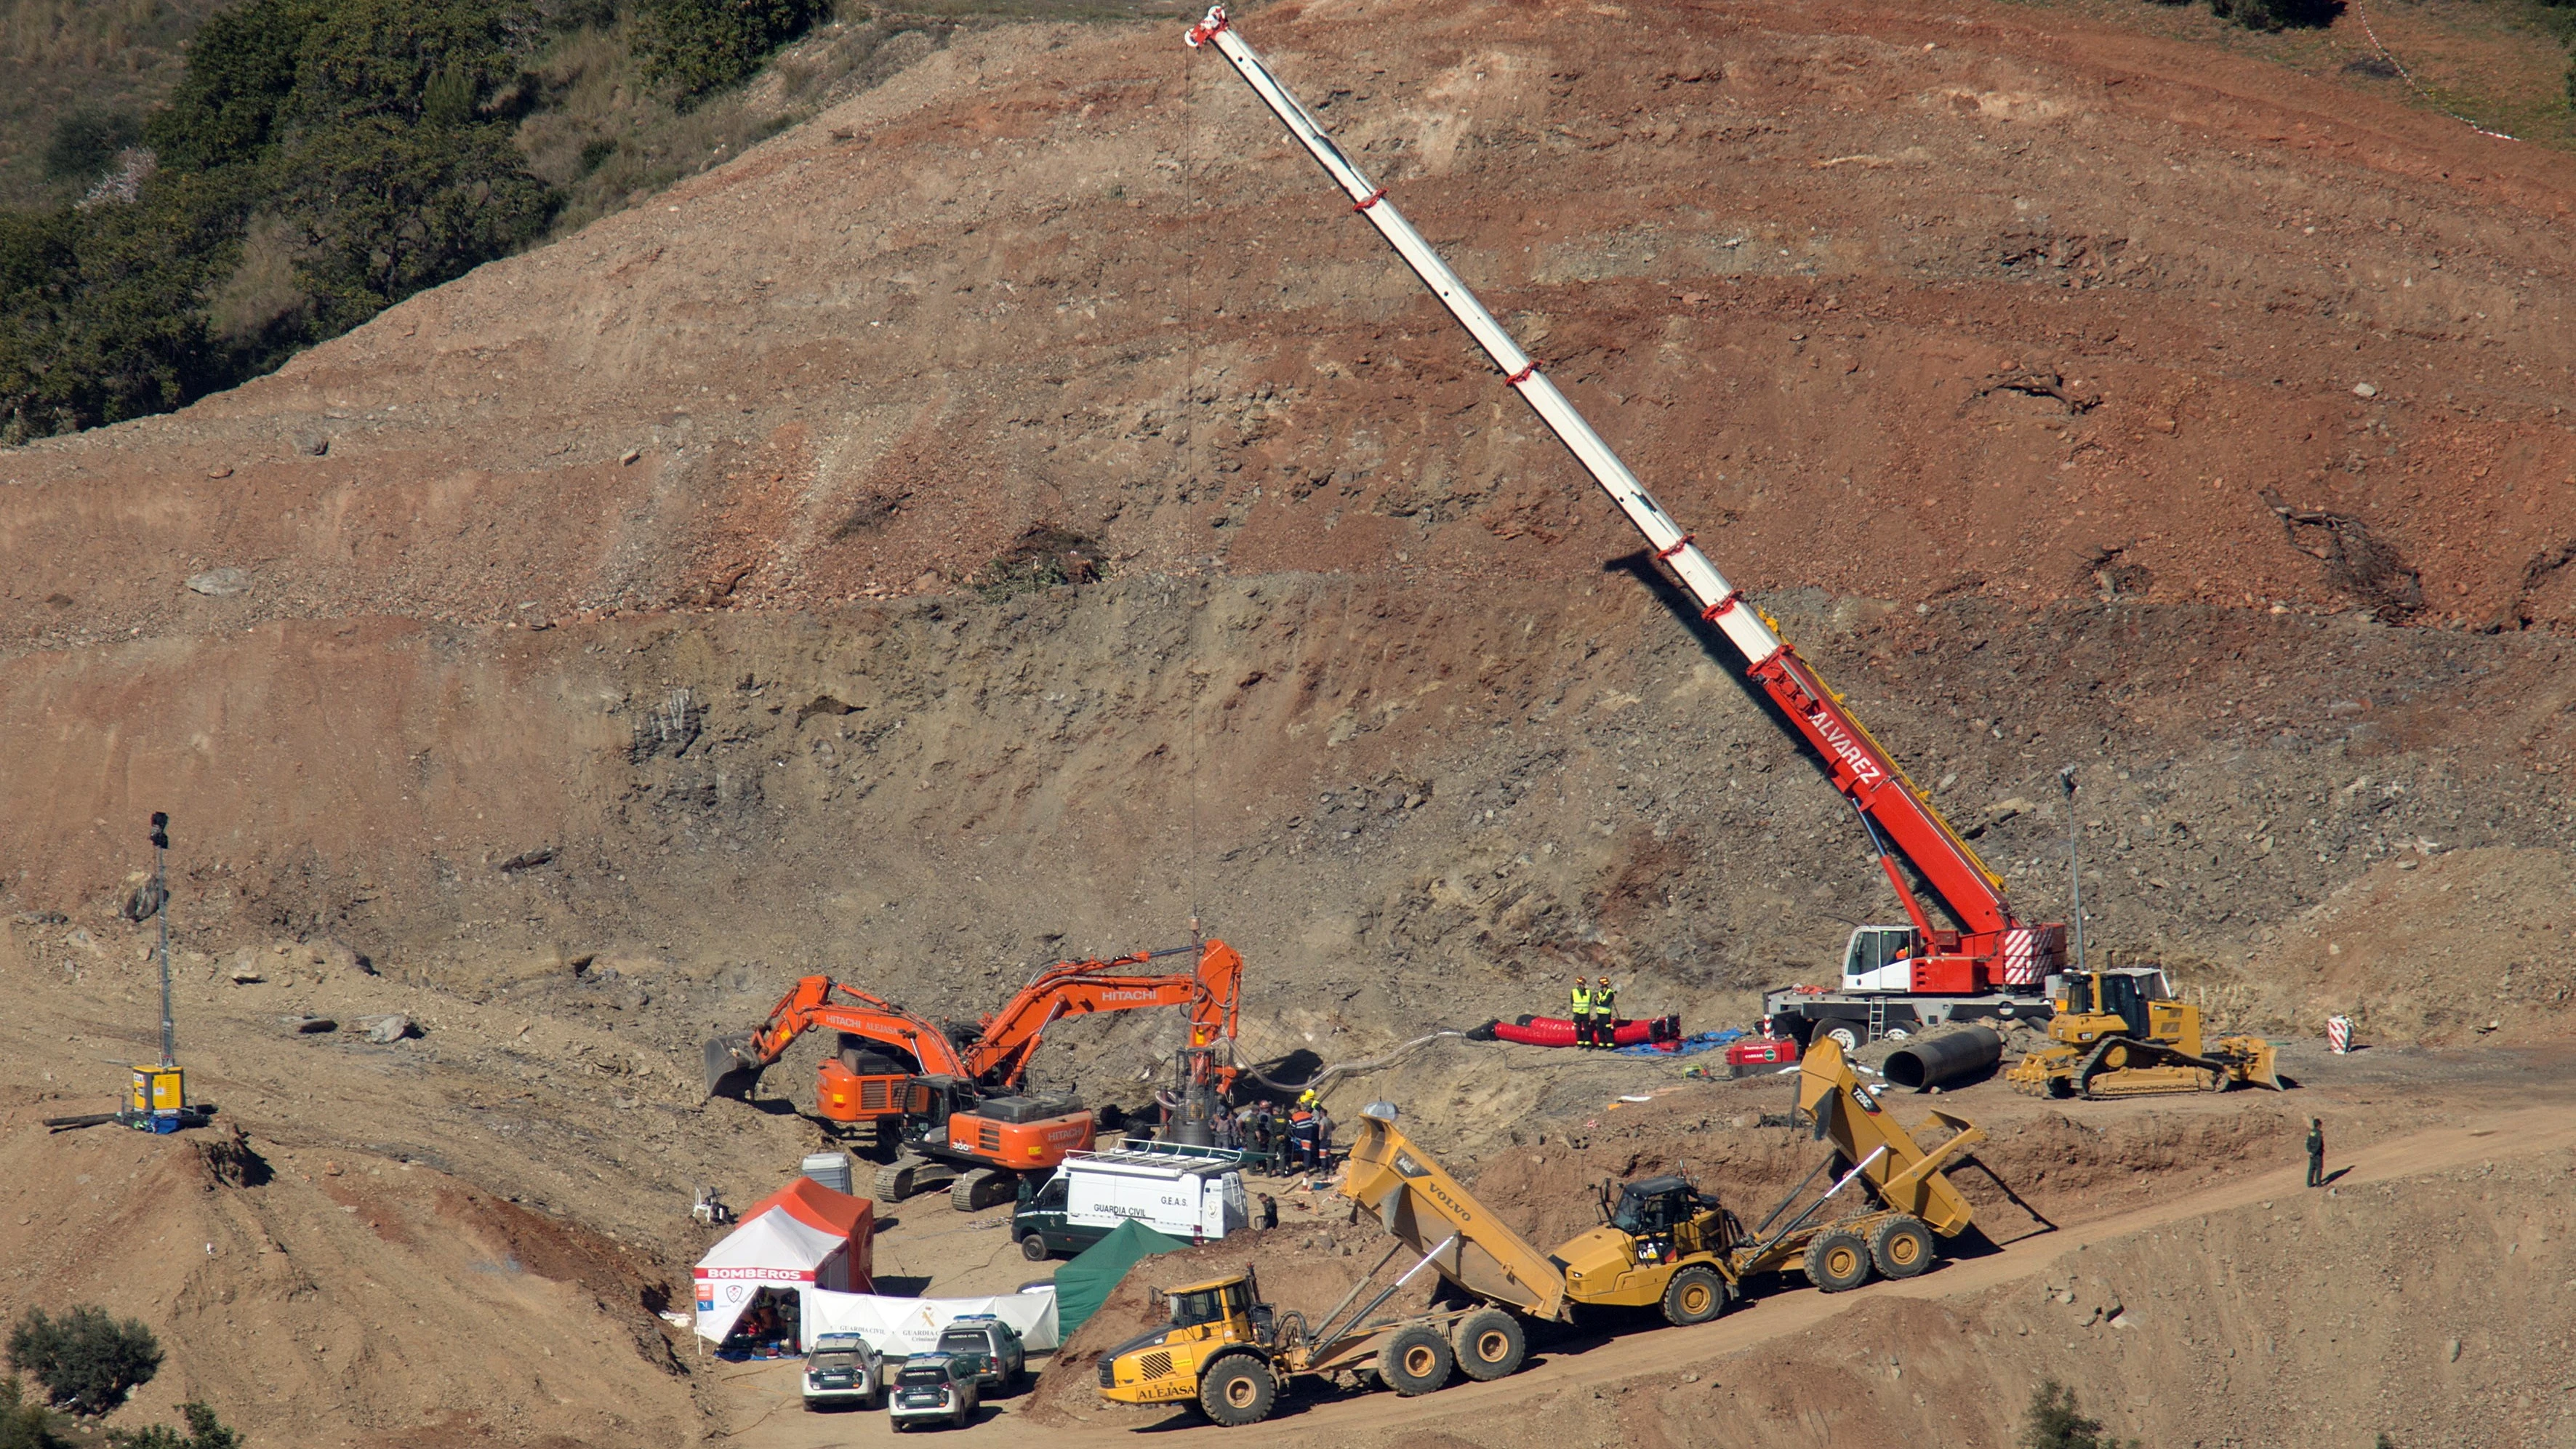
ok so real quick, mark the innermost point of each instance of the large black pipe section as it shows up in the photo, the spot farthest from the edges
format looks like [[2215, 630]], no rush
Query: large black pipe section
[[1940, 1060]]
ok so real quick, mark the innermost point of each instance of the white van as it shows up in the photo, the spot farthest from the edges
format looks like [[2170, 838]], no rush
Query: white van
[[1188, 1192]]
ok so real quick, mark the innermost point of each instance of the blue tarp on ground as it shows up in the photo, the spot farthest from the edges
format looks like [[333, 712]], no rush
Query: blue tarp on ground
[[1687, 1046]]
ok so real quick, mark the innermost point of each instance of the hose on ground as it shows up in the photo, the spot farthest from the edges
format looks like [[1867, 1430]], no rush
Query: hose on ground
[[1338, 1070]]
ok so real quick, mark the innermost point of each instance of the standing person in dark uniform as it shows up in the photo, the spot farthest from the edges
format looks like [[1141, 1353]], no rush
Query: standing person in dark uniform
[[2316, 1152], [1581, 1011], [1605, 1014], [1301, 1139]]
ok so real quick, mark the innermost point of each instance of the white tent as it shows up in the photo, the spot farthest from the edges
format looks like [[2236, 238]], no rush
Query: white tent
[[804, 1237], [901, 1327]]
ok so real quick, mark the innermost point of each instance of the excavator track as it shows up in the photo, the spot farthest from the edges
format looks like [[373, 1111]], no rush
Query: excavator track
[[982, 1188], [910, 1174]]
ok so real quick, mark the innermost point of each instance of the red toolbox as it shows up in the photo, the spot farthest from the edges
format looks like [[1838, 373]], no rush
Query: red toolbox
[[1755, 1054]]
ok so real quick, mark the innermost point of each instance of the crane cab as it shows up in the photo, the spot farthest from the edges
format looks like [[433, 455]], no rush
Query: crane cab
[[1897, 960], [1879, 958]]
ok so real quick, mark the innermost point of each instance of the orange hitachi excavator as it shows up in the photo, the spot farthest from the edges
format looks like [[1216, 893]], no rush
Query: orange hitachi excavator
[[957, 1108]]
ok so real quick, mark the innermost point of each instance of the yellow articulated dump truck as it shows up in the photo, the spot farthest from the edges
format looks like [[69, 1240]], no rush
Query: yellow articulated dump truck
[[1662, 1244]]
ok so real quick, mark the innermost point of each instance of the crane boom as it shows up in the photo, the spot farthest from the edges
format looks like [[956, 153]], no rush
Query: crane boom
[[1890, 805]]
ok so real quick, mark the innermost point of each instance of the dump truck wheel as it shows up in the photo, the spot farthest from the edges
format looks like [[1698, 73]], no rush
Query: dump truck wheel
[[1696, 1294], [1837, 1261], [1240, 1390], [1416, 1360], [1034, 1248], [1490, 1344], [1901, 1247]]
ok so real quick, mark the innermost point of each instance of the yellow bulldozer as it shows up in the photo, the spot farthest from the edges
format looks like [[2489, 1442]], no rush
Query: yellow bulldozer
[[2119, 1033], [1663, 1244]]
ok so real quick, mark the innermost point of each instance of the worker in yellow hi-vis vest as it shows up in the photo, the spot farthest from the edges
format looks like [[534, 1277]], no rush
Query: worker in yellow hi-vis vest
[[1582, 1011], [1605, 1014]]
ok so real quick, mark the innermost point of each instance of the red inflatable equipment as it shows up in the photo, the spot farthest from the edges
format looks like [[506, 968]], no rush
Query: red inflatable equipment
[[1556, 1031]]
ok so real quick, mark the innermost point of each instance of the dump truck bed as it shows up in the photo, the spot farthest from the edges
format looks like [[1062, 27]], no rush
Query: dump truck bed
[[1423, 1207]]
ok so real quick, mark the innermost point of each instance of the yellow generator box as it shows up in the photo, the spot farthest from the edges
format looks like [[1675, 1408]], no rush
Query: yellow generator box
[[159, 1089]]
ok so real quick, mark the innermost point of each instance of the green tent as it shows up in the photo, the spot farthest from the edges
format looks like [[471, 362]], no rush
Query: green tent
[[1082, 1285]]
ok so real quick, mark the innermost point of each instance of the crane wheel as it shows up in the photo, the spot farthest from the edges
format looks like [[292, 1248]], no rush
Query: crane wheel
[[1416, 1360], [1837, 1261], [1238, 1390], [1490, 1344], [1696, 1294], [980, 1189], [1901, 1247]]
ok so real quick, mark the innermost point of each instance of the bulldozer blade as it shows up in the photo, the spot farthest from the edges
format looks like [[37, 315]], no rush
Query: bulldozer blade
[[732, 1069], [2262, 1066]]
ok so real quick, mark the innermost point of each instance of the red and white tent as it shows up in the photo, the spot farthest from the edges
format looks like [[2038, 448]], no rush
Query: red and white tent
[[802, 1237]]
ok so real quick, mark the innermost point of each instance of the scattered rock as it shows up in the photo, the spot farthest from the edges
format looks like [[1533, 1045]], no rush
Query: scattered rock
[[528, 859], [244, 973], [627, 459], [220, 470], [219, 583], [2363, 389], [313, 445], [312, 1025], [390, 1029]]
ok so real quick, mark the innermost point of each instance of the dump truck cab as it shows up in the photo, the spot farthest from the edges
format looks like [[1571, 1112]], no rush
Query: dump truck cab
[[1209, 1321], [1651, 1231]]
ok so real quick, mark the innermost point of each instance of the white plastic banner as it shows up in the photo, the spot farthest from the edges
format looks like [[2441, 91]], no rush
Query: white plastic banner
[[901, 1327]]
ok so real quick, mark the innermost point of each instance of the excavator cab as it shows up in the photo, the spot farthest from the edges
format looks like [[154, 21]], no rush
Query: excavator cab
[[859, 1083]]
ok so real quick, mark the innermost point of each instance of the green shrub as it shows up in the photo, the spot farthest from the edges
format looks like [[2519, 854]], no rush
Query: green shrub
[[24, 1425], [2278, 14], [697, 46], [205, 1431], [86, 140], [85, 1359], [2054, 1423]]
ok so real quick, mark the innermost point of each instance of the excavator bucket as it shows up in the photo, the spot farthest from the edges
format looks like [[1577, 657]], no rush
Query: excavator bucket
[[732, 1067]]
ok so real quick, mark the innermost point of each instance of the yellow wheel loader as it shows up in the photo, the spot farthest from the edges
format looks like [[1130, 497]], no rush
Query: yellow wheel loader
[[1663, 1244], [2120, 1033]]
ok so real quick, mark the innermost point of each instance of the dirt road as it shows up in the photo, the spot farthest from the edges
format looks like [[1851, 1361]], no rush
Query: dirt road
[[1662, 1354]]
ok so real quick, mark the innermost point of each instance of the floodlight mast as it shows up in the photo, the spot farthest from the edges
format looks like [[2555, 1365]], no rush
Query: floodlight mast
[[161, 910]]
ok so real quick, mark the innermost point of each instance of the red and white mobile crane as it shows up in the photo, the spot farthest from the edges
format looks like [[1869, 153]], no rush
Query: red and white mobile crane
[[1990, 963]]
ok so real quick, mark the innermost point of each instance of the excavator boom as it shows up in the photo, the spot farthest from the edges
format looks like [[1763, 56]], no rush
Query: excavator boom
[[734, 1062], [999, 1057], [1860, 768]]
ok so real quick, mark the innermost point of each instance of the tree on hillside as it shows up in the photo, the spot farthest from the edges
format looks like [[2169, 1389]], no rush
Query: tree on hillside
[[86, 1359], [2053, 1422], [697, 46]]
